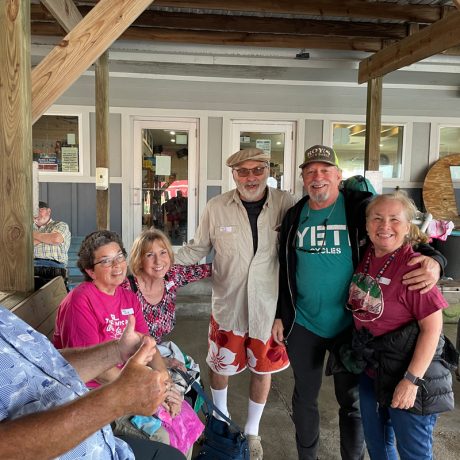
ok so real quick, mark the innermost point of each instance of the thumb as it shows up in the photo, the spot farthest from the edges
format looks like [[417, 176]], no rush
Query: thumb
[[415, 260], [131, 324], [145, 352]]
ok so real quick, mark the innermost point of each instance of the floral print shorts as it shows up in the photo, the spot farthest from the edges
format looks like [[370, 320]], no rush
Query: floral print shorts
[[231, 352]]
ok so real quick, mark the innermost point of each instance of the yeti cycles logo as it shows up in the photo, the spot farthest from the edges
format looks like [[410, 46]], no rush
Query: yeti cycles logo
[[313, 239]]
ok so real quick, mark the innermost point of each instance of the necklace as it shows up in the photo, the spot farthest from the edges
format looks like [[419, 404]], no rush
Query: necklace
[[385, 265], [316, 250], [325, 220]]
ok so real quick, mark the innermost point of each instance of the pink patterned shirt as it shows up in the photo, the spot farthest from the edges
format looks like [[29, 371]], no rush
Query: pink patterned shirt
[[161, 317]]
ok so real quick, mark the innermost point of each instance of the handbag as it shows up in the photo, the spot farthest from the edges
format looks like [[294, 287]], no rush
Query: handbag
[[223, 439]]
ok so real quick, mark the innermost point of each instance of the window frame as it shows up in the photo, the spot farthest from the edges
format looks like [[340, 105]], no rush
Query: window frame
[[328, 136], [83, 120]]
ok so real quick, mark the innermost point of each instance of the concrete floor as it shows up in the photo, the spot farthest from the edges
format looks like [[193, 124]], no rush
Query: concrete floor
[[277, 429]]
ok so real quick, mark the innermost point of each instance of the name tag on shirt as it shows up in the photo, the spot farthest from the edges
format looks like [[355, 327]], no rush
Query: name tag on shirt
[[226, 229], [169, 285], [127, 311], [384, 280], [25, 337]]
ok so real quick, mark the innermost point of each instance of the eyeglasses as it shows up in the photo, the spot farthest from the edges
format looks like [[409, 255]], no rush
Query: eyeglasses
[[244, 172], [111, 261]]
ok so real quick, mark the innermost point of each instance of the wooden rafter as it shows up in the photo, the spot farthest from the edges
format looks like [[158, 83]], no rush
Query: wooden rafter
[[434, 39], [246, 39], [79, 49], [64, 11], [344, 8]]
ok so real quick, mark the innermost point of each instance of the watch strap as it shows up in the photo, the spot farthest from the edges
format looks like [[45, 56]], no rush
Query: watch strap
[[413, 379]]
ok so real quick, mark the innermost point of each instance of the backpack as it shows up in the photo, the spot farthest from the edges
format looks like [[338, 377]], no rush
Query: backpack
[[358, 183]]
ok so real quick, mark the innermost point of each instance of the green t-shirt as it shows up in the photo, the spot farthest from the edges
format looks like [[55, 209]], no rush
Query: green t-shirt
[[324, 269]]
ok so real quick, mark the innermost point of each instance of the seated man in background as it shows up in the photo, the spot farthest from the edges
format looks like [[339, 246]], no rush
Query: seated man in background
[[51, 239], [46, 411]]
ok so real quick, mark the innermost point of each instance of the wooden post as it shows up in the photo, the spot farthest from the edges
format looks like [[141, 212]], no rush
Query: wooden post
[[16, 250], [373, 124], [102, 138]]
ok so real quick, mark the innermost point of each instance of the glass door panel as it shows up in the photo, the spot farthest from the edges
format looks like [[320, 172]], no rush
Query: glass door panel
[[165, 182], [164, 178]]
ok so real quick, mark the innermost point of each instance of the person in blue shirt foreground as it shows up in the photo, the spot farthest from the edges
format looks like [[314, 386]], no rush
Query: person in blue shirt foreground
[[46, 408]]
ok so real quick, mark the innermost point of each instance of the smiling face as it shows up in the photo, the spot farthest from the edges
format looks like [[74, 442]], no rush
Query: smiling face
[[387, 225], [321, 182], [109, 268], [252, 187], [156, 261]]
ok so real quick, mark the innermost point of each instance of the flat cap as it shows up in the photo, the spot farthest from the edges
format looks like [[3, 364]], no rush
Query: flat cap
[[247, 154]]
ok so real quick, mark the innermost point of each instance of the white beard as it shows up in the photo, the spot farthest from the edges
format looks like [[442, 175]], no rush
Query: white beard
[[251, 195]]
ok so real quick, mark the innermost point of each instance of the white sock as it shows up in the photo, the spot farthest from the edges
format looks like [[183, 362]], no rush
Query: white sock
[[255, 411], [219, 398]]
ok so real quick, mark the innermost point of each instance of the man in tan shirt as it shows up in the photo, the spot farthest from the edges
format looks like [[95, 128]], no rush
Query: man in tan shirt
[[242, 228]]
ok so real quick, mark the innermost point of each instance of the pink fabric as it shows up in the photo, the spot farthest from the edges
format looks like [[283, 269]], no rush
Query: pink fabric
[[440, 229], [88, 316], [401, 306], [184, 429]]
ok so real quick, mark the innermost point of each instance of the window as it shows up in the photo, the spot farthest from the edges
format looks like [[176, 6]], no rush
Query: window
[[449, 140], [55, 143], [349, 142]]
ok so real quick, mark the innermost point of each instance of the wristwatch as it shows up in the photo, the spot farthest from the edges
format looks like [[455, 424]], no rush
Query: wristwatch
[[413, 379]]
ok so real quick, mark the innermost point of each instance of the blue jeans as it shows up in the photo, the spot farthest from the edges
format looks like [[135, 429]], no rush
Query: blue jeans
[[390, 431], [48, 263]]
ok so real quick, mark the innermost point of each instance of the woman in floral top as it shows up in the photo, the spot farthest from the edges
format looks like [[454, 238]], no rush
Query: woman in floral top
[[156, 280]]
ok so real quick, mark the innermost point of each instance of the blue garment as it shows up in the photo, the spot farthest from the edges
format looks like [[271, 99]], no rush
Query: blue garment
[[390, 431], [34, 377], [48, 263]]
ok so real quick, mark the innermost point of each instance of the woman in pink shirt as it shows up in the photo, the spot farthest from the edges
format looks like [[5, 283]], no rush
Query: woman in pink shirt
[[98, 309]]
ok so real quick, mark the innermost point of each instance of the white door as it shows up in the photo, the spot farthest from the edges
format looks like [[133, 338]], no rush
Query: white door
[[165, 177], [274, 137]]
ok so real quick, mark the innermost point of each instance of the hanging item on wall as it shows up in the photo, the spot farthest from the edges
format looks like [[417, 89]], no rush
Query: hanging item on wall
[[265, 145], [163, 165]]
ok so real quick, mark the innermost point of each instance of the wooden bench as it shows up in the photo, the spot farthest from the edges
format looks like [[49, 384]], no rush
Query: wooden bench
[[38, 308]]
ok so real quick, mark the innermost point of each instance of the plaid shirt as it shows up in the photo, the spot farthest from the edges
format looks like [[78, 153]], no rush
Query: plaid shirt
[[57, 252]]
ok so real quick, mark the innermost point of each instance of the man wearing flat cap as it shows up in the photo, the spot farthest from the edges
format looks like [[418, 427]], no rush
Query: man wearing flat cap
[[51, 239], [242, 228], [322, 239]]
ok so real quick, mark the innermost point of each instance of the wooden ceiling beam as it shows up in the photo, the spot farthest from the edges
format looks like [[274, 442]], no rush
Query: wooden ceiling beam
[[343, 8], [254, 24], [79, 49], [64, 11], [257, 24], [457, 3], [431, 40], [247, 39]]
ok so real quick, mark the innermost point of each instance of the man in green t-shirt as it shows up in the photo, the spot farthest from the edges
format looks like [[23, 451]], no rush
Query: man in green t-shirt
[[321, 240]]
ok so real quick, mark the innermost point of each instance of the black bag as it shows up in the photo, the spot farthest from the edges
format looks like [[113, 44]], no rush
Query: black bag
[[223, 440]]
